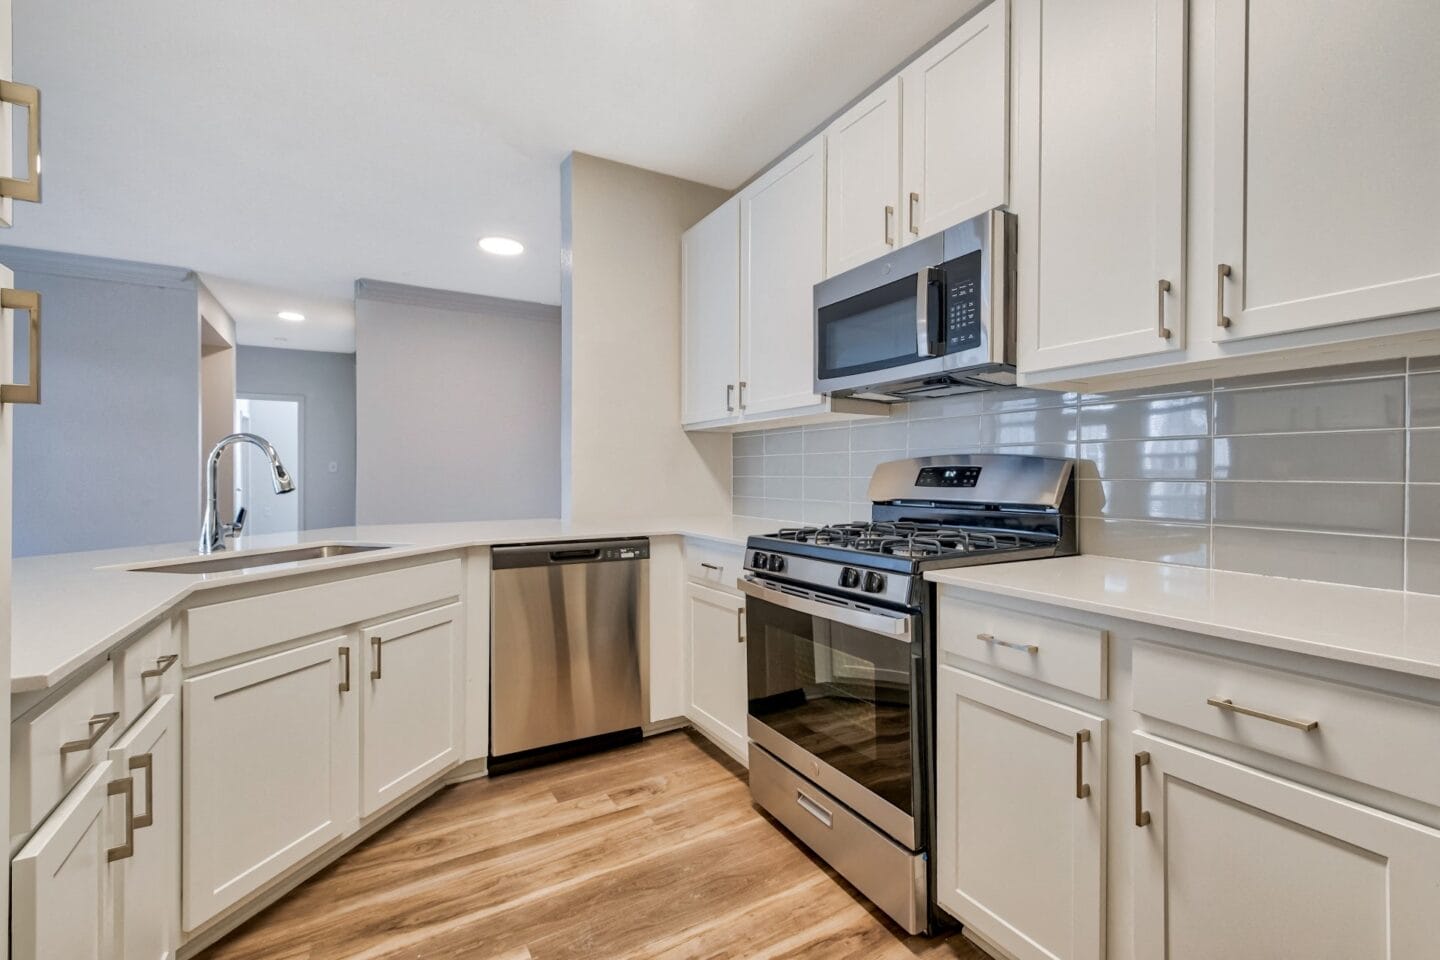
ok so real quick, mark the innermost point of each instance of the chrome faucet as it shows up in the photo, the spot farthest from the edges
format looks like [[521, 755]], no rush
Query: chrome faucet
[[212, 531]]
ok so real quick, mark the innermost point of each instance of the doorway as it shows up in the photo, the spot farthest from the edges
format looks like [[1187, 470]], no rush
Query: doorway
[[278, 419]]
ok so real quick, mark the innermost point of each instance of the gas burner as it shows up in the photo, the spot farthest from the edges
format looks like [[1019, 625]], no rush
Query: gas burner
[[914, 540]]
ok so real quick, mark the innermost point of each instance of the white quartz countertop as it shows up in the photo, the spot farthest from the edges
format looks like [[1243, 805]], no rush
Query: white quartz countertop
[[1376, 628], [68, 609]]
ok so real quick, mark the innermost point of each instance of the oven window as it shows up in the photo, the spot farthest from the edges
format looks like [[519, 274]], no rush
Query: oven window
[[869, 331], [840, 693]]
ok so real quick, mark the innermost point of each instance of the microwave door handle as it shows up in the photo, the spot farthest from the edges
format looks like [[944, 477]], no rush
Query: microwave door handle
[[927, 313]]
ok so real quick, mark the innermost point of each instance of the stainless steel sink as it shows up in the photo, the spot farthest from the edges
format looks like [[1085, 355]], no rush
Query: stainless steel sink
[[249, 559]]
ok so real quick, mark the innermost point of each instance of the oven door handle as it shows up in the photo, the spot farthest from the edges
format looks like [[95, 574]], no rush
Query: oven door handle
[[898, 627]]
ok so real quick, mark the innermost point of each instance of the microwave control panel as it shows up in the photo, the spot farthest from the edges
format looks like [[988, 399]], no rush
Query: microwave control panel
[[963, 327]]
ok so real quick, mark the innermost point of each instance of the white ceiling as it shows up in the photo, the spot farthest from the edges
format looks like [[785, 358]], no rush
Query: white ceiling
[[300, 145], [329, 322]]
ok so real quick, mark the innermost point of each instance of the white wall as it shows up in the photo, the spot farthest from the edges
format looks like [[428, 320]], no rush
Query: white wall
[[457, 406], [623, 451], [217, 393]]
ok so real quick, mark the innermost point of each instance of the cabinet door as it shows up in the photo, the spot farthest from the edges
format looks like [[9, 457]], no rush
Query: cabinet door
[[782, 257], [862, 181], [1099, 179], [60, 879], [715, 625], [270, 773], [412, 675], [1020, 799], [956, 123], [1234, 862], [147, 912], [1326, 139], [710, 314]]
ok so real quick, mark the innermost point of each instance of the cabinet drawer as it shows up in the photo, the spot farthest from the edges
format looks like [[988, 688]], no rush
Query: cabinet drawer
[[1359, 734], [1063, 654], [714, 564], [145, 669], [83, 722]]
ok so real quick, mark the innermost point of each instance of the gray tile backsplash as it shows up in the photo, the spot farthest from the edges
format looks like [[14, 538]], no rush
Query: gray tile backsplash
[[1324, 474]]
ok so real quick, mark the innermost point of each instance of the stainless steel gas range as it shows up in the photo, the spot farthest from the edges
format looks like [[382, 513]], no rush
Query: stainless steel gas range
[[841, 656]]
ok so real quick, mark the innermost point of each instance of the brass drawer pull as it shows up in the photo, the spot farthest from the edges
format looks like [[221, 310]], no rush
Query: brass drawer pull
[[125, 785], [98, 725], [146, 762], [1082, 789], [1231, 707], [24, 95], [1221, 273], [376, 672], [24, 300], [1010, 644], [345, 656], [1162, 330], [1142, 816], [161, 665]]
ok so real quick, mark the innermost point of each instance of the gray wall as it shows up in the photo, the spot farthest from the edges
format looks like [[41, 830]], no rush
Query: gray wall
[[457, 406], [111, 456], [1327, 474], [326, 383]]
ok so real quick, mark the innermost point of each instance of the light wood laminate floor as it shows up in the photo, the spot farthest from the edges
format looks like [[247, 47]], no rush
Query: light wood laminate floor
[[650, 851]]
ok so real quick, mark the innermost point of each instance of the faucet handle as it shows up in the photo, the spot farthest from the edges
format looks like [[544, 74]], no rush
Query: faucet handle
[[236, 528]]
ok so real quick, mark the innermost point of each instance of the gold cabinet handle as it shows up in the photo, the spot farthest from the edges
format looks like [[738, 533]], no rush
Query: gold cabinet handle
[[914, 220], [98, 725], [889, 225], [375, 671], [1231, 706], [1082, 789], [146, 762], [993, 640], [345, 683], [125, 785], [743, 631], [24, 300], [1142, 816], [1222, 272], [1164, 331], [161, 665], [729, 398], [24, 95]]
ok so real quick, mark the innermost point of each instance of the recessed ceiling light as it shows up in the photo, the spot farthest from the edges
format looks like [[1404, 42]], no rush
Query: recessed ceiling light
[[501, 246], [290, 316]]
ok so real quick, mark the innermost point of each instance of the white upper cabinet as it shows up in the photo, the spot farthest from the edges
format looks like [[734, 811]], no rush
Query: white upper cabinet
[[782, 257], [710, 297], [1327, 137], [862, 191], [1099, 185], [956, 118]]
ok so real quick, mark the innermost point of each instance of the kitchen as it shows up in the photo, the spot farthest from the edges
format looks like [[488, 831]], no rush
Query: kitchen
[[975, 494]]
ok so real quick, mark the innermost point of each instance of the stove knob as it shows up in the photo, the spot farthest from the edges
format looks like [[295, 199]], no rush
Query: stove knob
[[777, 563], [761, 560], [874, 583], [849, 578]]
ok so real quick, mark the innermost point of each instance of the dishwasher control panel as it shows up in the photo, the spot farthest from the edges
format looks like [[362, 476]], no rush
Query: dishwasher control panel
[[627, 552]]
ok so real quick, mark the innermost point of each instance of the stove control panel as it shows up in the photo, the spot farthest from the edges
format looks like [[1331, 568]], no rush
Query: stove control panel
[[948, 477], [829, 576], [873, 583]]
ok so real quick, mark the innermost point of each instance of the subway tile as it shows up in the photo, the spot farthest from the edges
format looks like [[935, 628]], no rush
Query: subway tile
[[1067, 451], [863, 464], [1424, 364], [751, 487], [1000, 401], [1187, 416], [960, 405], [784, 488], [784, 441], [1348, 371], [1183, 543], [748, 506], [859, 490], [1373, 455], [1422, 566], [1344, 405], [830, 440], [827, 464], [1425, 510], [1425, 400], [1042, 425], [1145, 500], [1139, 393], [1173, 459], [1374, 509], [785, 511], [818, 512], [783, 465], [1333, 558], [953, 435], [833, 489], [879, 436], [748, 466], [749, 444], [1425, 456]]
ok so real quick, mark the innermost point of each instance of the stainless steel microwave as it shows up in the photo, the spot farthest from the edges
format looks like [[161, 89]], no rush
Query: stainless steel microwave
[[934, 318]]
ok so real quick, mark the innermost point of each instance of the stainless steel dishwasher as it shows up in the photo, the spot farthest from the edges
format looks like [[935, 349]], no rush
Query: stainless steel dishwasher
[[568, 637]]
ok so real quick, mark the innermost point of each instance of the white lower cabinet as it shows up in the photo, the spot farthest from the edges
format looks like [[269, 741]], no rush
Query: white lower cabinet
[[1021, 804], [413, 712], [270, 759], [717, 699], [1235, 862], [147, 905]]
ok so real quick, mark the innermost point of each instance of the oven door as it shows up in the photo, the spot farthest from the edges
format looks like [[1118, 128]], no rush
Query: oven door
[[833, 692]]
